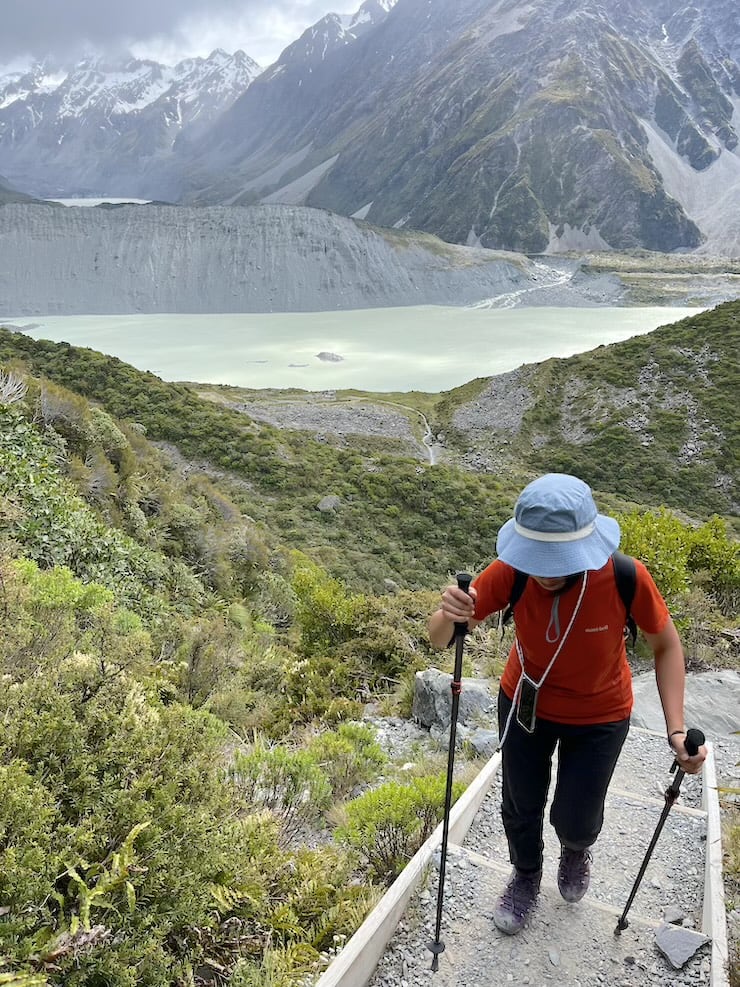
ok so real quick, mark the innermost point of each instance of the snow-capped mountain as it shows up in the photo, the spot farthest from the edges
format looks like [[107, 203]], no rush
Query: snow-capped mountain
[[332, 32], [533, 125], [104, 125]]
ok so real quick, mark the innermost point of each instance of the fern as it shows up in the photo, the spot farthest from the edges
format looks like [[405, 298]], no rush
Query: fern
[[23, 980]]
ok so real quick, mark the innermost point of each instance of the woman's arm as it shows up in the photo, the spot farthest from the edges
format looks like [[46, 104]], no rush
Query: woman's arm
[[670, 675]]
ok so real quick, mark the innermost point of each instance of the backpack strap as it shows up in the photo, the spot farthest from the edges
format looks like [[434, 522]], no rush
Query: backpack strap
[[625, 576], [520, 581]]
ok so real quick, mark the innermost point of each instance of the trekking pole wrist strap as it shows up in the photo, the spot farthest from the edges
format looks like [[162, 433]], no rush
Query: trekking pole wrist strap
[[673, 734]]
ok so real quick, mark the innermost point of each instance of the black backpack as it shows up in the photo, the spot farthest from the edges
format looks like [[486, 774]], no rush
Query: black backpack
[[624, 575]]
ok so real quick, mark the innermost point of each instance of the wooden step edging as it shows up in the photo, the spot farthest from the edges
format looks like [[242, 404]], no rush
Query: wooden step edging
[[714, 917], [356, 963]]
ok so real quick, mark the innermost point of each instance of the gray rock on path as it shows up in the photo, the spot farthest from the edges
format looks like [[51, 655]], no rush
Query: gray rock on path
[[678, 945], [329, 504]]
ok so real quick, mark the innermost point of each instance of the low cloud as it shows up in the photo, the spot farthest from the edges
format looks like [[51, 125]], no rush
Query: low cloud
[[41, 28]]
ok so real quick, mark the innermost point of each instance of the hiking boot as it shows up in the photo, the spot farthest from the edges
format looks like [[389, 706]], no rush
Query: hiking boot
[[517, 901], [574, 873]]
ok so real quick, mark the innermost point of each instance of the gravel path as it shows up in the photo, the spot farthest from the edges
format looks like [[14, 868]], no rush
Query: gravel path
[[569, 944]]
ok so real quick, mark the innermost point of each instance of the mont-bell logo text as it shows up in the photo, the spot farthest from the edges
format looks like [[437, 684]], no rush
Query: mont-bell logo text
[[597, 630]]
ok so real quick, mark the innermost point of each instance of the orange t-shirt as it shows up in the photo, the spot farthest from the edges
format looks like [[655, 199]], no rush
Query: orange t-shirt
[[590, 681]]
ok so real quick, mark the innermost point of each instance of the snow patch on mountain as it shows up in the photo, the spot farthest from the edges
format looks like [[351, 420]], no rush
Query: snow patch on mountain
[[510, 20], [273, 175]]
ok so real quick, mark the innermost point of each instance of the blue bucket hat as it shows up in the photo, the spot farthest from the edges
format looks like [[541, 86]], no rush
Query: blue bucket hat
[[556, 529]]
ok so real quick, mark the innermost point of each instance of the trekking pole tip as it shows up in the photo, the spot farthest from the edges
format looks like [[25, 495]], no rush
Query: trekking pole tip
[[436, 947]]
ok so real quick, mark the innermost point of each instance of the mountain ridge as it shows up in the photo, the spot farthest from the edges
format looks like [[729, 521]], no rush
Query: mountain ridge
[[514, 125], [239, 259], [525, 120], [125, 259], [109, 122]]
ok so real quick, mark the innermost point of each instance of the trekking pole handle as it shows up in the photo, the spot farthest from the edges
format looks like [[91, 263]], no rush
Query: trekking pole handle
[[694, 740], [464, 579]]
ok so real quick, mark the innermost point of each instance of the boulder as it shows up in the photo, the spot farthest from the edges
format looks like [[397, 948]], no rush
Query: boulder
[[712, 703], [432, 705]]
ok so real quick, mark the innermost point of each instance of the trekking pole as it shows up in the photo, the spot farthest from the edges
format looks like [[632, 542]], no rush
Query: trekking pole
[[694, 740], [461, 629]]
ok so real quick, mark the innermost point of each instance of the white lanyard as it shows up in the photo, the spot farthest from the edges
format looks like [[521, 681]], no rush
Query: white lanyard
[[563, 639], [547, 670]]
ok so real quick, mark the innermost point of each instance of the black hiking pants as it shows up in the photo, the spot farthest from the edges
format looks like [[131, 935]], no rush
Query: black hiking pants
[[587, 756]]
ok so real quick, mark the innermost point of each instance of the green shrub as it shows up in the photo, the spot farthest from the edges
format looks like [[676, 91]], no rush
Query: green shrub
[[27, 820], [276, 601], [716, 556], [52, 525], [287, 782], [663, 543], [319, 688], [50, 614], [327, 613], [349, 756], [387, 825], [116, 816]]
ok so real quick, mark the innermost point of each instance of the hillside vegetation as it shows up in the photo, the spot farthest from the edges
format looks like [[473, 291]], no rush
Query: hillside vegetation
[[652, 419], [394, 509], [187, 648]]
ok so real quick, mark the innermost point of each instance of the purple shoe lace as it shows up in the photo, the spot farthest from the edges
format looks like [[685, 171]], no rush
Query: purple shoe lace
[[574, 873], [516, 902]]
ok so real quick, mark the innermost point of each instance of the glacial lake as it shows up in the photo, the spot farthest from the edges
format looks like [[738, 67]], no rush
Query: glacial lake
[[424, 348]]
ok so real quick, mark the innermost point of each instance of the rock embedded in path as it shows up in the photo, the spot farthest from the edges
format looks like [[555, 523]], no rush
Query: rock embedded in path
[[677, 944], [712, 702], [329, 357]]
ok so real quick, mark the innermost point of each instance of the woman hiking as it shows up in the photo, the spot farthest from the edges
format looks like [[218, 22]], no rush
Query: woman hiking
[[567, 683]]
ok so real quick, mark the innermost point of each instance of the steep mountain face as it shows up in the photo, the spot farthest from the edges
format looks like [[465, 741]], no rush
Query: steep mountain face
[[105, 126], [526, 125]]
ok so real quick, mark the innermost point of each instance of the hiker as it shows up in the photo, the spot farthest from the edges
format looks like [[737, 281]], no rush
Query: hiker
[[567, 682]]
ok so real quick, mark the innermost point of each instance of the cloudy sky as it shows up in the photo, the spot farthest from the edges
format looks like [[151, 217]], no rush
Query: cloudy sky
[[162, 29]]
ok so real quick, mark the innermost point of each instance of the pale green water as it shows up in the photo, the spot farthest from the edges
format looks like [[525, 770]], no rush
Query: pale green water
[[426, 348]]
